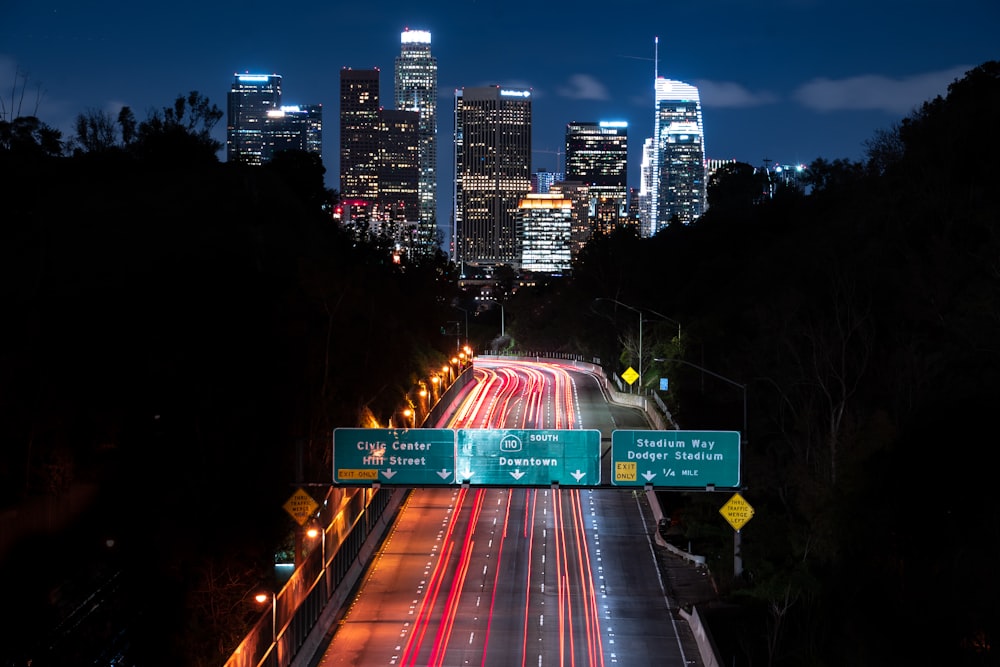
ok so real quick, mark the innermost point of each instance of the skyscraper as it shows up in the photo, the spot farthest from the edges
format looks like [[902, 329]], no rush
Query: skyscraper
[[398, 174], [542, 180], [294, 128], [544, 232], [359, 123], [379, 161], [678, 167], [250, 99], [580, 229], [416, 90], [597, 154], [492, 173], [258, 125]]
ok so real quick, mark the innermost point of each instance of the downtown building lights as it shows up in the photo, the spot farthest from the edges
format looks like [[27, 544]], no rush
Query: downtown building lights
[[388, 160]]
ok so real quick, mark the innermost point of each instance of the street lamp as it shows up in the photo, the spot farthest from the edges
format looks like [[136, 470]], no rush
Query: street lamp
[[313, 533], [261, 598], [625, 305], [640, 312], [737, 558], [662, 316], [466, 323], [743, 387]]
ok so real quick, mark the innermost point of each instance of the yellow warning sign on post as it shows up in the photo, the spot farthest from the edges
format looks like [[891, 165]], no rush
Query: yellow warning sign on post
[[630, 375], [301, 506], [737, 511]]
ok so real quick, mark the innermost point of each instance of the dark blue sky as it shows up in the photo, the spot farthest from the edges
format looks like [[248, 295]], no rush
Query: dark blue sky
[[784, 80]]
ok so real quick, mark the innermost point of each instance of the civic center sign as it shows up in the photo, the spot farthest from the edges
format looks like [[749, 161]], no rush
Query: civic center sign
[[534, 457]]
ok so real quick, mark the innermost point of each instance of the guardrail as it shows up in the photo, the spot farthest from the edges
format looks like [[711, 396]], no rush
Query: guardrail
[[354, 522], [294, 629]]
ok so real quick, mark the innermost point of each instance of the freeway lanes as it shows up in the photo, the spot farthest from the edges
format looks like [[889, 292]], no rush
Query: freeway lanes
[[517, 576]]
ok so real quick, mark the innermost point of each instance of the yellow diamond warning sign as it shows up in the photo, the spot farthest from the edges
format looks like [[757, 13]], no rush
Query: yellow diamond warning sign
[[737, 511], [630, 375], [300, 506]]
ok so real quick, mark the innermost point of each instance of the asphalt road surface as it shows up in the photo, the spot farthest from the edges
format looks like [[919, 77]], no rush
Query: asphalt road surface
[[519, 576]]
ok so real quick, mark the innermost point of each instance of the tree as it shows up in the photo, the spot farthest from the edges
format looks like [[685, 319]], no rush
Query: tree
[[95, 132], [27, 137], [302, 173], [182, 132], [737, 186]]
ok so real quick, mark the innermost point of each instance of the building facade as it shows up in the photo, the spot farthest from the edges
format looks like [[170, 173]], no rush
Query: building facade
[[294, 128], [359, 126], [580, 228], [544, 222], [678, 190], [250, 99], [597, 154], [398, 174], [543, 179], [379, 163], [492, 173], [416, 90]]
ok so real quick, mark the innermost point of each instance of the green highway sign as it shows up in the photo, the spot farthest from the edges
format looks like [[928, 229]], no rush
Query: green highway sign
[[400, 456], [528, 457], [676, 459]]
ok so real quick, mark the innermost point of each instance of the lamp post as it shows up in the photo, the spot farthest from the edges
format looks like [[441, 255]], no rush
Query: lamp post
[[737, 559], [466, 323], [636, 310], [261, 598], [668, 319], [743, 388]]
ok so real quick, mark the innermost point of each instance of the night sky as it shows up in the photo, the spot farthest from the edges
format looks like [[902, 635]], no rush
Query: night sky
[[781, 80]]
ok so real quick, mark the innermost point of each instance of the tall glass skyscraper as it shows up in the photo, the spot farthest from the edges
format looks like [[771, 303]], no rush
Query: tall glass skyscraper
[[250, 99], [492, 173], [416, 90], [678, 188], [597, 155], [258, 125]]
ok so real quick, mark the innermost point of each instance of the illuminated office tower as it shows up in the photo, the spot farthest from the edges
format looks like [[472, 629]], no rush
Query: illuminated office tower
[[379, 162], [294, 128], [359, 129], [250, 99], [544, 232], [580, 229], [416, 90], [645, 195], [492, 173], [597, 154], [543, 179], [398, 176], [678, 190]]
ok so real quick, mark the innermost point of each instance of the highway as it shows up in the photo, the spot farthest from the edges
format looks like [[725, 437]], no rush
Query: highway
[[518, 576]]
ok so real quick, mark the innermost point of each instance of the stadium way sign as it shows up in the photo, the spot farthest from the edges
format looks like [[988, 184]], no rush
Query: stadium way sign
[[401, 456], [676, 459], [529, 457]]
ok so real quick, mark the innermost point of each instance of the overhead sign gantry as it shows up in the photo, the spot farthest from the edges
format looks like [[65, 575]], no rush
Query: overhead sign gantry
[[412, 457]]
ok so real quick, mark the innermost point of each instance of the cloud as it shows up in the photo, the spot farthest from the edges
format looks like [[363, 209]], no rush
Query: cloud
[[584, 87], [876, 92], [726, 94]]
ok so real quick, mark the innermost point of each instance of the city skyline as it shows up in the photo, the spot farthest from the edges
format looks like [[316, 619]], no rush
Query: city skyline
[[784, 81]]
